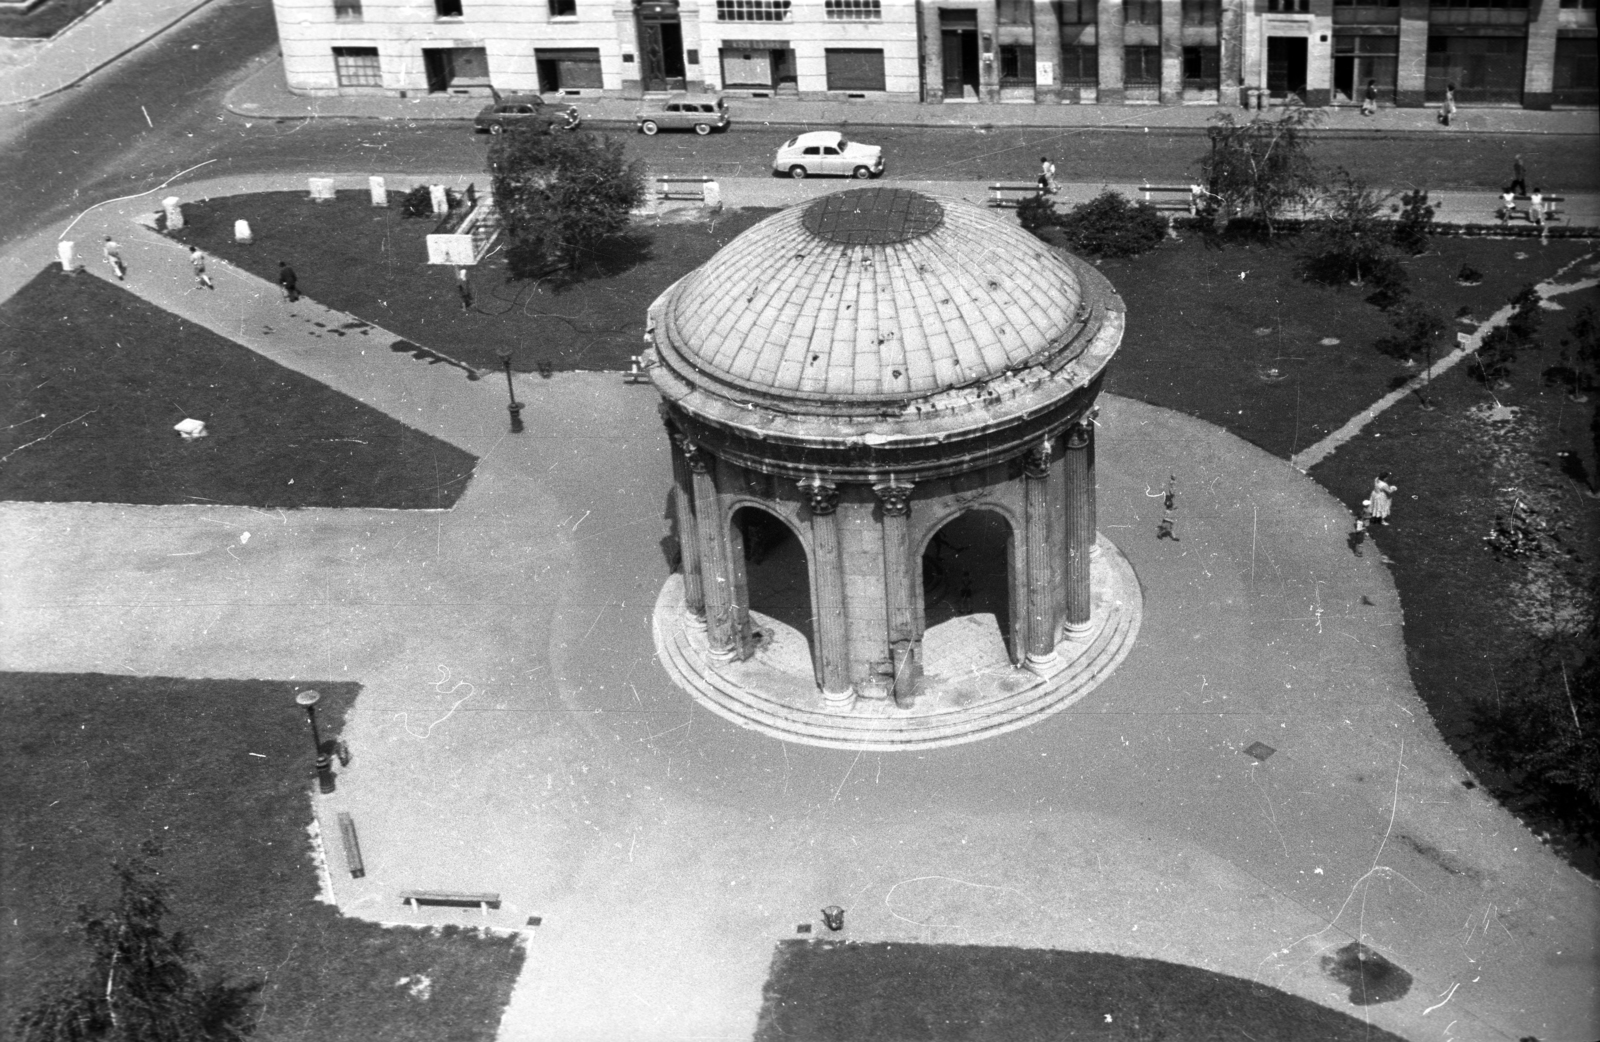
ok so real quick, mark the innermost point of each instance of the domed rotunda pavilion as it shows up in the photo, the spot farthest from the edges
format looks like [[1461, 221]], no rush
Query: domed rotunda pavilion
[[881, 407]]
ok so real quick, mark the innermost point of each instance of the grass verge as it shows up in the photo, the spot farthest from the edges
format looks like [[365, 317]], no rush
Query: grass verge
[[95, 378], [46, 20], [372, 263], [218, 772], [824, 991]]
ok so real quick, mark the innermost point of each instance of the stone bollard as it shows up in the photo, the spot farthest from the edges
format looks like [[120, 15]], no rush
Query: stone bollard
[[174, 210], [441, 200], [241, 231], [321, 189], [380, 193], [711, 193], [64, 253]]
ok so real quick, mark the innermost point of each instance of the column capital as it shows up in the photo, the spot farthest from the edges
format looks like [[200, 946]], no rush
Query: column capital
[[1078, 435], [699, 460], [1036, 461], [821, 496], [895, 496]]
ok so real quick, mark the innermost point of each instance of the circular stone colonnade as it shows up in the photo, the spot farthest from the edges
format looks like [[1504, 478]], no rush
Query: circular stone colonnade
[[872, 379]]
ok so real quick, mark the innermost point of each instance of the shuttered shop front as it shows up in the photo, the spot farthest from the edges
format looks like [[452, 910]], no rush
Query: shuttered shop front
[[855, 69]]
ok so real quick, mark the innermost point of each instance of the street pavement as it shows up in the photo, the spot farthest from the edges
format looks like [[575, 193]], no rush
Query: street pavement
[[515, 733]]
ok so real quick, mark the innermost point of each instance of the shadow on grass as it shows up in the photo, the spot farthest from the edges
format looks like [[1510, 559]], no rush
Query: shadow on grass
[[219, 771], [96, 379], [616, 256], [820, 991]]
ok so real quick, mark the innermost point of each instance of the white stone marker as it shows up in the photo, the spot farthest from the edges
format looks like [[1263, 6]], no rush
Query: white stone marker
[[64, 253], [321, 189], [174, 209], [711, 195], [241, 231], [380, 193], [441, 200]]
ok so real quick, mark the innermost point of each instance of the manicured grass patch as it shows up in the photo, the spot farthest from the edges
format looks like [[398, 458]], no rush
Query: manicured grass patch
[[822, 991], [98, 763], [1203, 340], [46, 20], [373, 264], [96, 378]]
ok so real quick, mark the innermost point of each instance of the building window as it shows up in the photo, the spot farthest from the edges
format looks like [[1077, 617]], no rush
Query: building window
[[1016, 65], [347, 10], [1202, 12], [1014, 12], [447, 8], [1141, 12], [562, 69], [1577, 71], [357, 66], [855, 69], [1202, 68], [1587, 5], [854, 10], [1080, 65], [1484, 69], [1079, 12], [1289, 6], [563, 8], [752, 10], [1141, 66]]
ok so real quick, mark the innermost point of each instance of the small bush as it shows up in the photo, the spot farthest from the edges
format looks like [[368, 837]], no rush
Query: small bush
[[419, 201], [1469, 276], [1415, 224], [1036, 213], [1391, 285], [1111, 226], [1416, 332]]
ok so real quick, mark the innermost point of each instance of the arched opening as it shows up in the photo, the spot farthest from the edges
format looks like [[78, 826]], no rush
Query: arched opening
[[968, 569], [770, 569]]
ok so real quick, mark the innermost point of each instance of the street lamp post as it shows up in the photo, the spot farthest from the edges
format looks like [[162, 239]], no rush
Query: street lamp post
[[324, 761], [515, 408]]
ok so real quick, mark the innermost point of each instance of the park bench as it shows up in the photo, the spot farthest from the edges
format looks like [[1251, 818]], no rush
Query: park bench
[[682, 188], [1552, 211], [1185, 204], [352, 847], [418, 898], [1012, 194], [637, 374]]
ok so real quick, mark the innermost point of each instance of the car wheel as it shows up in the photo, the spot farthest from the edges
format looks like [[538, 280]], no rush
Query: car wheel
[[797, 172], [649, 127], [495, 128], [702, 129], [861, 173]]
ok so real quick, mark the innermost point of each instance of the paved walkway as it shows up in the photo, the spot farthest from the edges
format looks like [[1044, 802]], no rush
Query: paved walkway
[[31, 70], [516, 734]]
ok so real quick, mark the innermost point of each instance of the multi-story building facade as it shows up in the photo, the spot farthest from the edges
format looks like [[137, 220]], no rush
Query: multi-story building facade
[[1535, 53]]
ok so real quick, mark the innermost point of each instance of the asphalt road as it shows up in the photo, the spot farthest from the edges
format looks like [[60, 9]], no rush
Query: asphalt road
[[159, 112]]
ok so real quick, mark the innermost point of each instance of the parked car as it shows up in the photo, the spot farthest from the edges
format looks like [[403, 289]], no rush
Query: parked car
[[701, 114], [827, 152], [512, 109]]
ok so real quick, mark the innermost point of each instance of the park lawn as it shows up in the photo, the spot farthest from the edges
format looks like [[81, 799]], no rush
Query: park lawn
[[46, 20], [95, 378], [825, 991], [372, 263], [218, 771]]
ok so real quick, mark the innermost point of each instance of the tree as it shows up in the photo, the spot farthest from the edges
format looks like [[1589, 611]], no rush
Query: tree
[[1351, 241], [1414, 223], [561, 195], [1259, 169], [140, 984]]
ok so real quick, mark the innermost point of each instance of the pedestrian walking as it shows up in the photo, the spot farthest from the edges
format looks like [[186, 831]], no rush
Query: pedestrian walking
[[111, 250], [1447, 111], [1379, 500], [1169, 511], [1369, 100], [288, 282], [1047, 176], [1519, 176], [464, 288], [197, 260]]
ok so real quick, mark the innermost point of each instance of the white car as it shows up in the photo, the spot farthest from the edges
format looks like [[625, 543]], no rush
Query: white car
[[827, 152]]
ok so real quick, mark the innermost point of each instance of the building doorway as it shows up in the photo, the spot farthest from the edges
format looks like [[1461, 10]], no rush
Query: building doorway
[[1286, 66], [969, 569], [456, 70], [661, 66], [959, 33], [770, 572], [1358, 58]]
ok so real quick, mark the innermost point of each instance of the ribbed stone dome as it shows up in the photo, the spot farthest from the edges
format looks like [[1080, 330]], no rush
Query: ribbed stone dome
[[873, 293]]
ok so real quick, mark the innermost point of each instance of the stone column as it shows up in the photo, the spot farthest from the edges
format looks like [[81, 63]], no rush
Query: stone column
[[1080, 526], [717, 582], [899, 575], [1041, 654], [1411, 79], [1047, 49], [694, 597], [1172, 52], [833, 646], [1094, 515], [1109, 33]]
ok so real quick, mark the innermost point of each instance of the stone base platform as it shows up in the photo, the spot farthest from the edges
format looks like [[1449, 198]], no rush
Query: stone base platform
[[971, 689]]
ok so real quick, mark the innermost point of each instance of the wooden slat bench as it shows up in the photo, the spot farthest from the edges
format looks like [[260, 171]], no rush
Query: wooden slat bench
[[1186, 204], [682, 188], [1012, 194], [418, 898]]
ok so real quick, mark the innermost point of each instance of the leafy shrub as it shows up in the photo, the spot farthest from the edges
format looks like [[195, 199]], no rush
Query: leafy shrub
[[1415, 223], [1260, 169], [1417, 329], [419, 201], [1492, 362], [1469, 276], [1036, 213], [1111, 226], [1391, 285]]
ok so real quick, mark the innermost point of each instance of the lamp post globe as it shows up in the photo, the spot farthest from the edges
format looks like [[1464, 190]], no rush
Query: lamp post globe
[[324, 762]]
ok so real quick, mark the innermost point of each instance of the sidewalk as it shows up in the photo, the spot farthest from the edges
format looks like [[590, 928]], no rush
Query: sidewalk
[[516, 734], [31, 70], [265, 95]]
